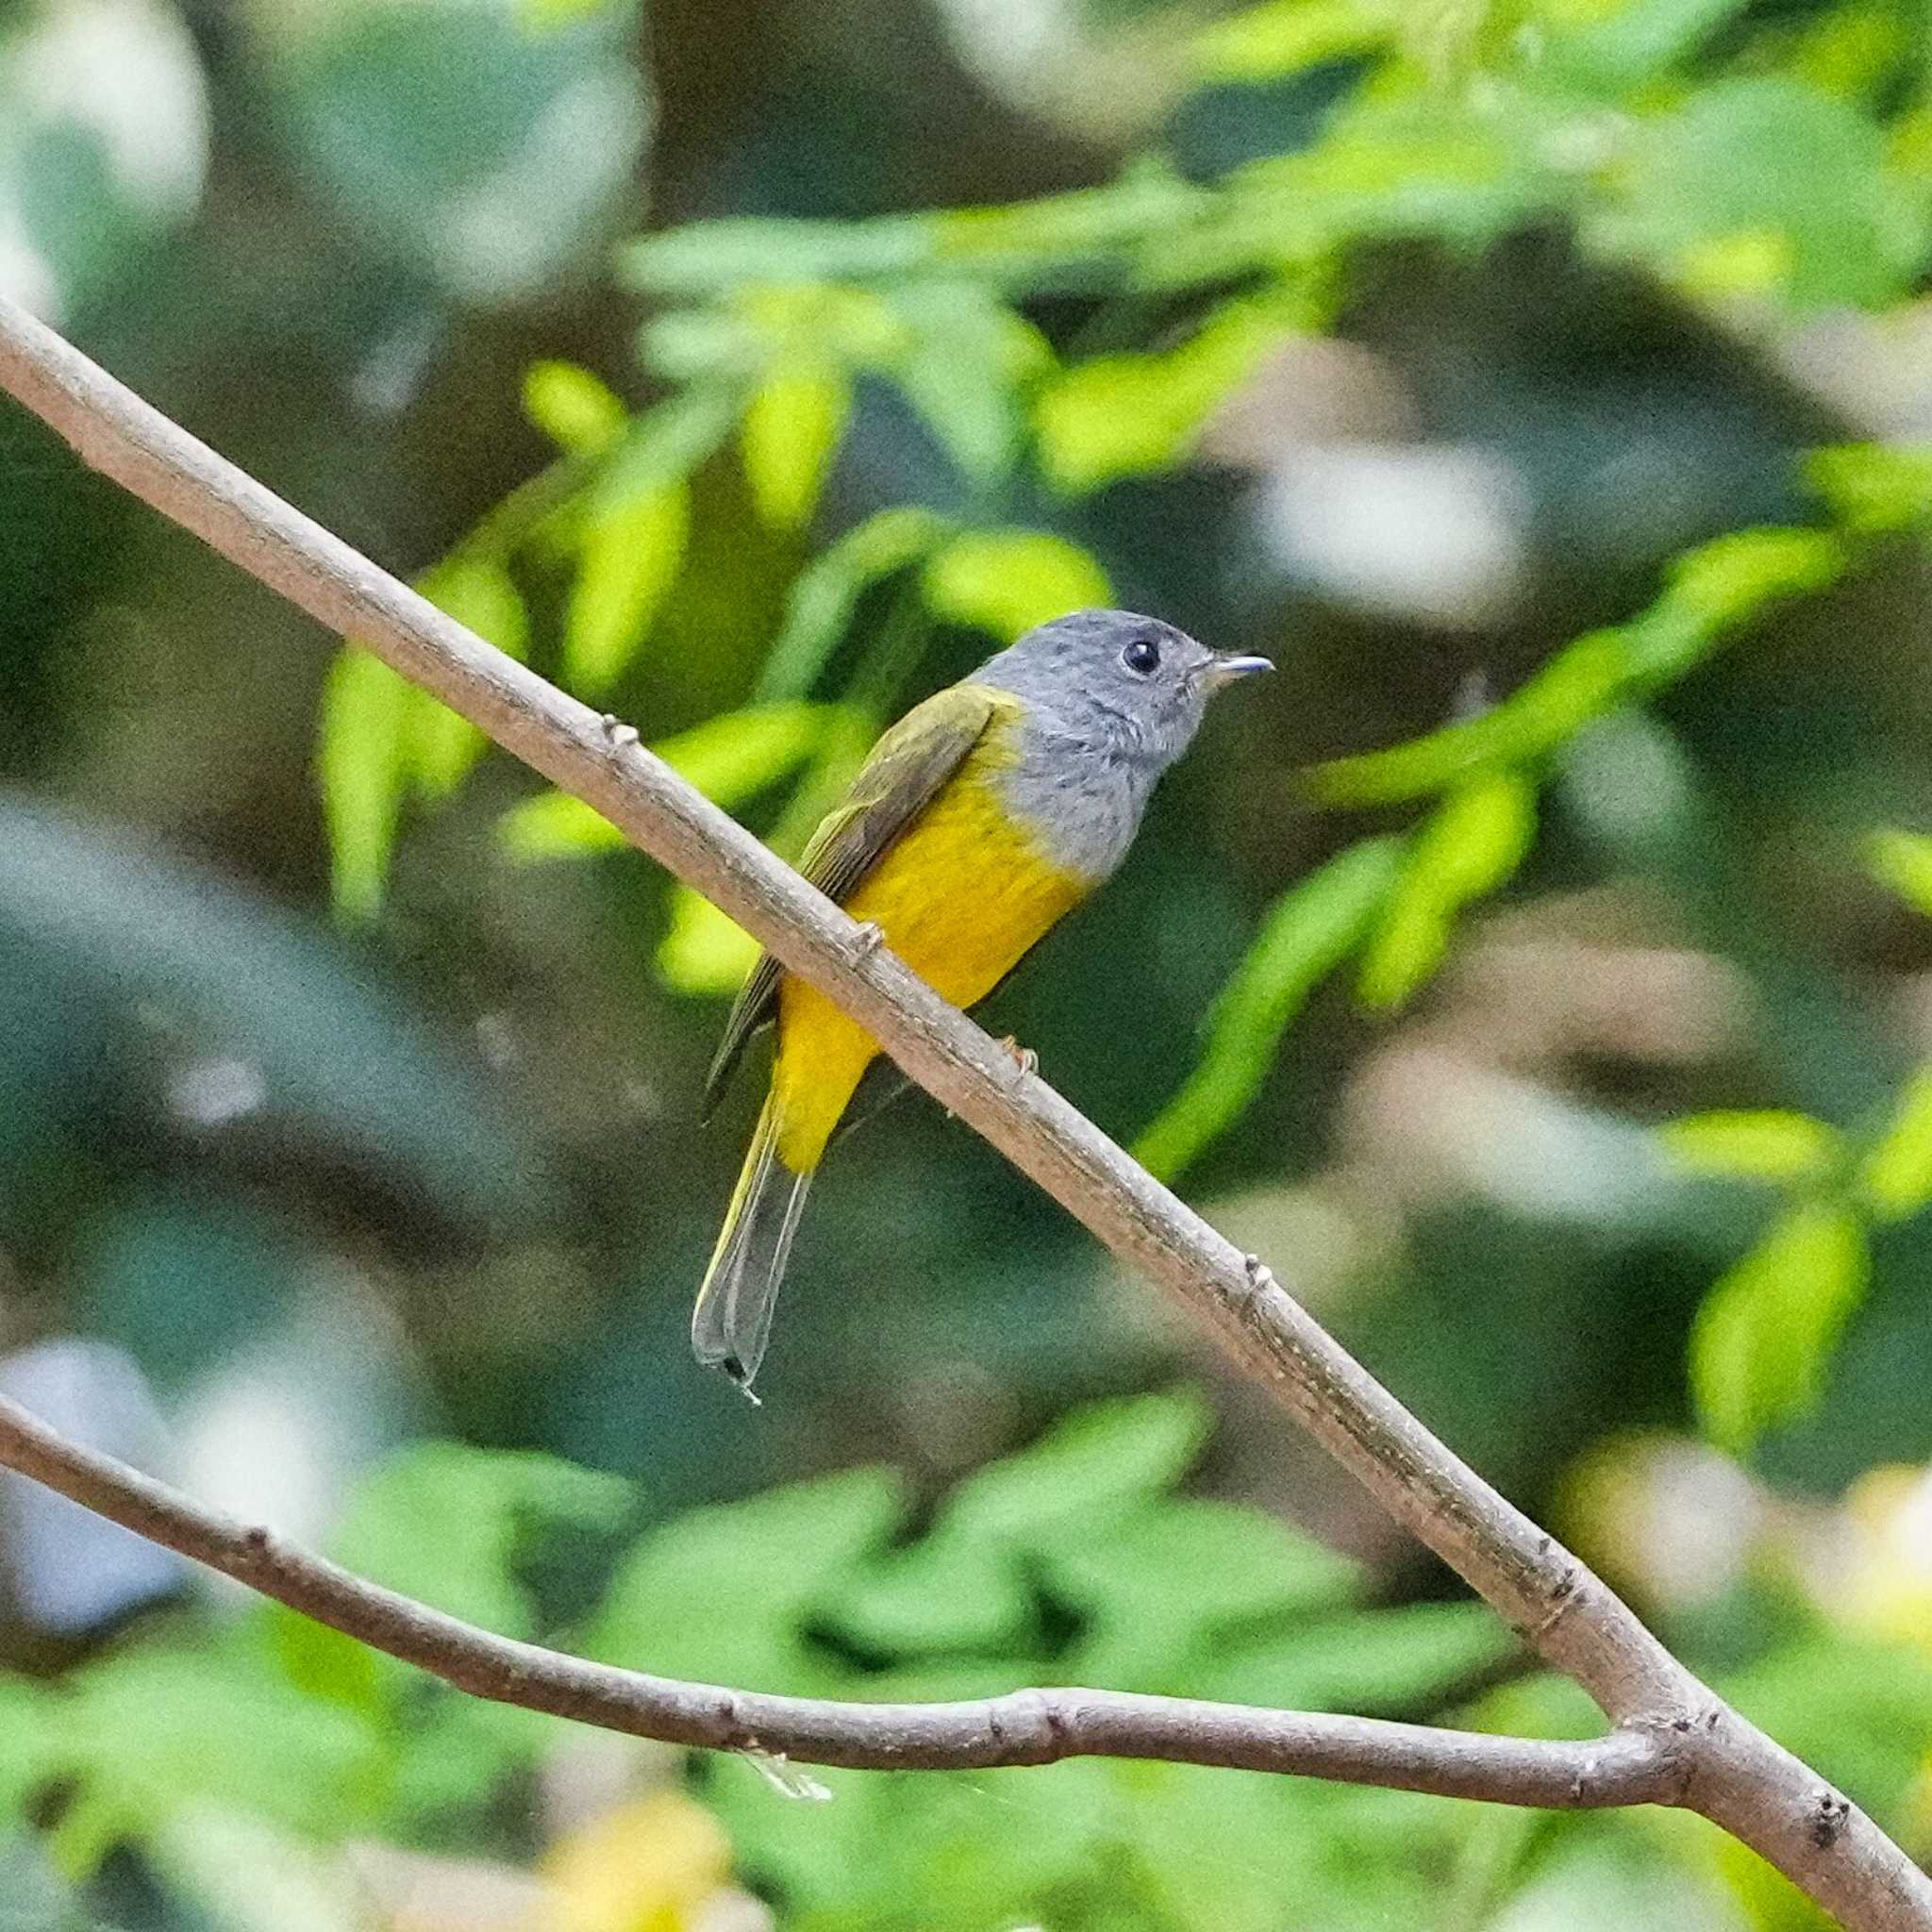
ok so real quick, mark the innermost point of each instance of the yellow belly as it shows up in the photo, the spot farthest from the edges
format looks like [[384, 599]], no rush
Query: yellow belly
[[962, 897]]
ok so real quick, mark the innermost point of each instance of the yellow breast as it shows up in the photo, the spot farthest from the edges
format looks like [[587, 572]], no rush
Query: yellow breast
[[960, 897]]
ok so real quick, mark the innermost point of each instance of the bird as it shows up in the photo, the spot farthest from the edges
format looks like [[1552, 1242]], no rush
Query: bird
[[989, 812]]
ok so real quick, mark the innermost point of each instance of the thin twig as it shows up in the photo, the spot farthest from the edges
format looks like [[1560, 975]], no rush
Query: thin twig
[[1734, 1774], [1022, 1727]]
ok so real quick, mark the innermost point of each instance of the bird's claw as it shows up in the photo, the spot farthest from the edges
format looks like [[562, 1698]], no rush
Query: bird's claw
[[1023, 1056]]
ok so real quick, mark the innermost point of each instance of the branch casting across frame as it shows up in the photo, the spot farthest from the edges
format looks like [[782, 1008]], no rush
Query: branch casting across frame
[[1731, 1772]]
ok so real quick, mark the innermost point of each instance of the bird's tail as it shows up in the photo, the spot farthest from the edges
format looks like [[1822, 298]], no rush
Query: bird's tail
[[733, 1318]]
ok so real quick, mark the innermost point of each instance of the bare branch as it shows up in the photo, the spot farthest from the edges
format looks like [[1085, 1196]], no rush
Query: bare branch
[[1023, 1727], [1735, 1775]]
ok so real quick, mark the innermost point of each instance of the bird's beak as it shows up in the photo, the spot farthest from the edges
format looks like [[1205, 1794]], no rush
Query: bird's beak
[[1223, 668]]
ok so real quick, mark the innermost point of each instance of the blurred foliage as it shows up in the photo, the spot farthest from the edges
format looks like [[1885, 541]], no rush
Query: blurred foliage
[[1539, 382], [1074, 1560]]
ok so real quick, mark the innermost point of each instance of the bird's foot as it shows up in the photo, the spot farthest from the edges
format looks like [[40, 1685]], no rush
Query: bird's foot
[[1023, 1056]]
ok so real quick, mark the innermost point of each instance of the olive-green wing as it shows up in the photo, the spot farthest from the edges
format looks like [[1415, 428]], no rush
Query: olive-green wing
[[905, 771]]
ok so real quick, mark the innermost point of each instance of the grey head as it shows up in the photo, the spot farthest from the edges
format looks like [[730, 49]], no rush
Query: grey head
[[1132, 687], [1113, 699]]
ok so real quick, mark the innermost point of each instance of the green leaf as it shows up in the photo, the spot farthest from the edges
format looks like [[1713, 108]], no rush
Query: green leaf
[[1872, 488], [447, 1523], [1763, 1335], [1101, 1457], [478, 593], [967, 369], [1897, 1178], [1372, 1662], [790, 434], [381, 736], [1724, 583], [1903, 862], [943, 1593], [1761, 186], [828, 589], [360, 763], [705, 953], [719, 1594], [577, 411], [552, 824], [1711, 591], [152, 1731], [1475, 841], [729, 758], [455, 1753], [1767, 1145], [321, 1662], [1007, 582], [32, 1752], [1121, 415], [709, 258], [1312, 929], [1285, 37], [665, 444], [1579, 683], [630, 558], [733, 757], [1630, 43], [1160, 1585], [1858, 1711]]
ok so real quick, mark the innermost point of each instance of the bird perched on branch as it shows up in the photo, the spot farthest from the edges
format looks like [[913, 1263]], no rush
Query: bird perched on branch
[[980, 819]]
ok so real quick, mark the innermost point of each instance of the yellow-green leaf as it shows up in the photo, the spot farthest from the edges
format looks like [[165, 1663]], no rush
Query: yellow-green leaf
[[1733, 578], [703, 951], [1713, 590], [476, 592], [1896, 1179], [359, 761], [728, 759], [827, 589], [1903, 862], [668, 441], [1119, 415], [1284, 36], [1873, 487], [1007, 582], [1312, 929], [578, 411], [1579, 683], [1474, 841], [554, 825], [630, 558], [790, 431], [967, 367], [1761, 1340], [1764, 1144]]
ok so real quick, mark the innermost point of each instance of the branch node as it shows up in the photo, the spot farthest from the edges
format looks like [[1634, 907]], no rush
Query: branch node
[[1024, 1058], [1830, 1814], [1563, 1597], [1260, 1280], [622, 736]]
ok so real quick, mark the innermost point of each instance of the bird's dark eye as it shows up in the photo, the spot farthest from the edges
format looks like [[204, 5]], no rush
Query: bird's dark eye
[[1142, 657]]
